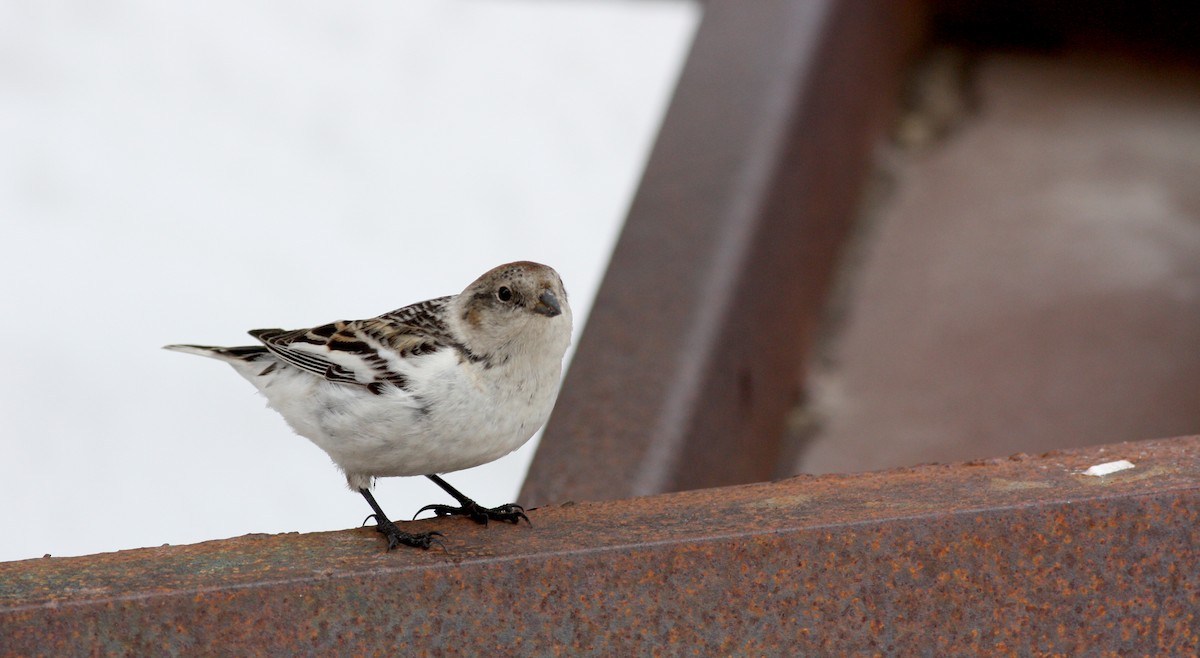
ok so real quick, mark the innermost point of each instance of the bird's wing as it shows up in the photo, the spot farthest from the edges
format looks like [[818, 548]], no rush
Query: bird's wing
[[363, 352]]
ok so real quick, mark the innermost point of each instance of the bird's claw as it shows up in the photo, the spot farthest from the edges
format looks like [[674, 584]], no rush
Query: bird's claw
[[511, 513], [397, 537]]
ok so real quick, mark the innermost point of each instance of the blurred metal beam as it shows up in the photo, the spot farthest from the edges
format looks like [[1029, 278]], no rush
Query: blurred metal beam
[[693, 354], [1017, 556]]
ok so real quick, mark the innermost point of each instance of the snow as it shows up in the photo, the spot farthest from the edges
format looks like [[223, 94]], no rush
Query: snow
[[184, 172], [1108, 468]]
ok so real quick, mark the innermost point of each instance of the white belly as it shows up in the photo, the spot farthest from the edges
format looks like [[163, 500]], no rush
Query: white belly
[[453, 417]]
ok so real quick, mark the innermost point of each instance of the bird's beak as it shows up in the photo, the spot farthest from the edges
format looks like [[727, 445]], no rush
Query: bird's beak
[[548, 305]]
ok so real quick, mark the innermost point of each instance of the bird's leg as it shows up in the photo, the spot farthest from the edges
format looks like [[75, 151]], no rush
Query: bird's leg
[[396, 536], [511, 512]]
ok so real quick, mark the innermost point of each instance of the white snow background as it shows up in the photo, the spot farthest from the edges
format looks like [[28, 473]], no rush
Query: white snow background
[[183, 172]]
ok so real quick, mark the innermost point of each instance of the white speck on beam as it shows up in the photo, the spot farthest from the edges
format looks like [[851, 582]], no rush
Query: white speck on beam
[[1108, 468]]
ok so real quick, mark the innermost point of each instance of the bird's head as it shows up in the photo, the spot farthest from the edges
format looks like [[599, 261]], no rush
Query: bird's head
[[516, 307]]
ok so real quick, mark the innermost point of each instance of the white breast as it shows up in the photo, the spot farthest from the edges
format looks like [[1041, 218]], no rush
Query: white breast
[[455, 414]]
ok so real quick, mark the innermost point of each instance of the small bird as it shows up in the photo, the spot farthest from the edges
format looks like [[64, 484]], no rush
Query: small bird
[[434, 387]]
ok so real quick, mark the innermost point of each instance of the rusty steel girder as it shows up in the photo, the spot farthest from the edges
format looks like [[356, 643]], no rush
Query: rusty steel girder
[[1021, 556]]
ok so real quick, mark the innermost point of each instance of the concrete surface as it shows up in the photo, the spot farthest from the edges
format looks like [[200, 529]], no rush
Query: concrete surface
[[1032, 281]]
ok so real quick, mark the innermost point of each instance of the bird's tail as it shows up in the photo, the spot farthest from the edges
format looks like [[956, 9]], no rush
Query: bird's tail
[[246, 353]]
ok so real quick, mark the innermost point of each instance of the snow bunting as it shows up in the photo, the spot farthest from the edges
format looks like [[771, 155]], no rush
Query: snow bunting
[[438, 386]]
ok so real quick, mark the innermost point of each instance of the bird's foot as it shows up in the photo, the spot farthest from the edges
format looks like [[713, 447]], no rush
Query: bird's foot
[[512, 512], [397, 537]]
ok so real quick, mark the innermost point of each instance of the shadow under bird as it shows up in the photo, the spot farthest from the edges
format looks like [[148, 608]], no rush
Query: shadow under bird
[[430, 388]]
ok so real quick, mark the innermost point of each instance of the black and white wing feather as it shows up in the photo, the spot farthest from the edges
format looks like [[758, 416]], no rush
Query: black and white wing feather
[[364, 352]]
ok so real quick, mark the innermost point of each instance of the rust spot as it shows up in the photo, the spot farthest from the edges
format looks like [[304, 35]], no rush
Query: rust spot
[[1010, 485]]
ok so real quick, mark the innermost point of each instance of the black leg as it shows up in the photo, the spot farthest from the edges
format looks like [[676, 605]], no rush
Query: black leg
[[511, 512], [396, 536]]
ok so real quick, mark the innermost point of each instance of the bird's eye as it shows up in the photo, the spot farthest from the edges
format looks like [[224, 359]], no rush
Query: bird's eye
[[504, 294]]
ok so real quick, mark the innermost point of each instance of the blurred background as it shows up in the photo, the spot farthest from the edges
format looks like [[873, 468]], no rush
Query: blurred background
[[901, 232], [182, 173], [1024, 273], [871, 234]]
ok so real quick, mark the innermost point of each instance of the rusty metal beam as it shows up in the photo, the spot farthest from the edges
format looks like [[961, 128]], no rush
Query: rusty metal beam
[[693, 354], [1017, 556]]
